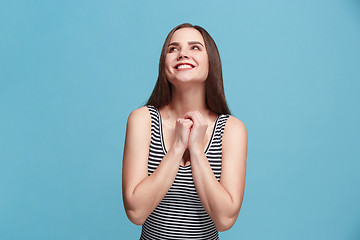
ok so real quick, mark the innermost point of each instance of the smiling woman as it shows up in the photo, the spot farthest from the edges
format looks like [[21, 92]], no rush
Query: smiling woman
[[185, 156], [186, 61]]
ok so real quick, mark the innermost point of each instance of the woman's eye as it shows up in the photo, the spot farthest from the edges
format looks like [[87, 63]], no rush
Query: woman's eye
[[172, 49], [195, 48]]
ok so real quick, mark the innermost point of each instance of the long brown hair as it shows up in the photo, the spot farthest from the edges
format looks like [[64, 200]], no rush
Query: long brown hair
[[214, 88]]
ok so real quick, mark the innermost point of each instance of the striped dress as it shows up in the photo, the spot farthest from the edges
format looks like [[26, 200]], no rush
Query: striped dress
[[180, 215]]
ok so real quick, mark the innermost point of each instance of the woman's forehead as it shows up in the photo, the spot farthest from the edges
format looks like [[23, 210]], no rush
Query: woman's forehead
[[186, 35]]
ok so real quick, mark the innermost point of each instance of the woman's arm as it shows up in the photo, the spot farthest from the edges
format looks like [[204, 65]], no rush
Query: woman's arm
[[221, 200], [142, 193]]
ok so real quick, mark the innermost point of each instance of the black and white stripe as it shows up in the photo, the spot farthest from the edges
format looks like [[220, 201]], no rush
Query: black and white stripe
[[180, 215]]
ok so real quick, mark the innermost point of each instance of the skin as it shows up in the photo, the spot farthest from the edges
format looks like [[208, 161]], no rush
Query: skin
[[187, 128]]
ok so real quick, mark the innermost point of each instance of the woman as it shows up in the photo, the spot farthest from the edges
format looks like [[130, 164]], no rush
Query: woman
[[185, 157]]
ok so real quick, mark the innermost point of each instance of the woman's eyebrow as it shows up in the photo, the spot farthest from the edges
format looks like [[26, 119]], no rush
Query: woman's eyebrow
[[190, 43], [174, 44], [195, 42]]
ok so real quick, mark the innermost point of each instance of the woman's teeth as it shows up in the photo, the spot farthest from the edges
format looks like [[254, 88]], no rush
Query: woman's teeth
[[184, 66]]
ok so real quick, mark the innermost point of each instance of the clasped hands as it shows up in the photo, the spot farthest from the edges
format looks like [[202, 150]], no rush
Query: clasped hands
[[190, 131]]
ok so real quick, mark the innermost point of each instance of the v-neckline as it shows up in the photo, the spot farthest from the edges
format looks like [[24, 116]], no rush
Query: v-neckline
[[163, 141]]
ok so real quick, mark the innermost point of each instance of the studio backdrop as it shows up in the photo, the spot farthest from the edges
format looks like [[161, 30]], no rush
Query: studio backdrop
[[72, 71]]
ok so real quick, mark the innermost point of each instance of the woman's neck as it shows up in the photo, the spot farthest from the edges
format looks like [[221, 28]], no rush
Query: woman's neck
[[187, 100]]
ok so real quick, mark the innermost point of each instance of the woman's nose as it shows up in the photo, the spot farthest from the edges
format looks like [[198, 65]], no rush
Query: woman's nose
[[183, 54]]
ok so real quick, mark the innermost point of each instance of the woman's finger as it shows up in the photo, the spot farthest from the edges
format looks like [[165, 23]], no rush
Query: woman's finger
[[196, 117]]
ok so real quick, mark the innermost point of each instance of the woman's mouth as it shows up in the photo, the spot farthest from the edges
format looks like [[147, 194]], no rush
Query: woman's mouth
[[184, 66]]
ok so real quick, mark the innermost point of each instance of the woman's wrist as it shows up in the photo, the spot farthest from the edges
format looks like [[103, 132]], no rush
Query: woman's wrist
[[178, 148], [195, 151]]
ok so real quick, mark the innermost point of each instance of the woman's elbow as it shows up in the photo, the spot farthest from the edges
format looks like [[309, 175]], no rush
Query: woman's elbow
[[225, 224], [137, 221], [135, 217]]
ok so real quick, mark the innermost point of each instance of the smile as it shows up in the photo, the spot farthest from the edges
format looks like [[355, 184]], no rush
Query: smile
[[184, 66]]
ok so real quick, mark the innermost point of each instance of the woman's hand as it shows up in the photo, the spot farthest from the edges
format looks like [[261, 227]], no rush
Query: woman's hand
[[182, 132], [197, 132]]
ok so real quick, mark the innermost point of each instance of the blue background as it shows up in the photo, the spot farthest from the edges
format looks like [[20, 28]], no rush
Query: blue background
[[72, 71]]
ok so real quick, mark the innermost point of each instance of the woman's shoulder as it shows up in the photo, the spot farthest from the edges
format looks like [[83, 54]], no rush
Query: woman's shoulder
[[234, 126], [140, 115]]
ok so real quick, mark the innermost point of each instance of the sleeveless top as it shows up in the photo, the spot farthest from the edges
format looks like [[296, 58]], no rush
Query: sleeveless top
[[180, 215]]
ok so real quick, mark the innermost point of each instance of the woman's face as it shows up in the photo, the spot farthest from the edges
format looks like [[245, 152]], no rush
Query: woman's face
[[186, 59]]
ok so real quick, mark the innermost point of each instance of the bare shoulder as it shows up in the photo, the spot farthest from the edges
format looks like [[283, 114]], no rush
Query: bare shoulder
[[234, 146], [139, 124], [235, 127], [141, 112], [139, 116], [235, 136], [138, 132]]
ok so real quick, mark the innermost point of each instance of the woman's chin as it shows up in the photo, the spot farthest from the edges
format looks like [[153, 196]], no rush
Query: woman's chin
[[186, 80]]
